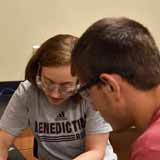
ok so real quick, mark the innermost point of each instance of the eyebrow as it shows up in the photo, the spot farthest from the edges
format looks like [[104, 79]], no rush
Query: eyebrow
[[63, 83]]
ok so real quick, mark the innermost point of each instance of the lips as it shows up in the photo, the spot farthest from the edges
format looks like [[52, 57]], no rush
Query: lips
[[55, 100]]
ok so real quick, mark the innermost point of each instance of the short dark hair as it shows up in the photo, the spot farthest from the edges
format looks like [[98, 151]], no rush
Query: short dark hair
[[118, 45], [54, 52]]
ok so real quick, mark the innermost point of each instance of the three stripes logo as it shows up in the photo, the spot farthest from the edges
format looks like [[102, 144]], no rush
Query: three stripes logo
[[61, 117]]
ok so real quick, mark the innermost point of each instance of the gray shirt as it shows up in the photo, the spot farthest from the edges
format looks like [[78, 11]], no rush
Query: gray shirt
[[59, 130]]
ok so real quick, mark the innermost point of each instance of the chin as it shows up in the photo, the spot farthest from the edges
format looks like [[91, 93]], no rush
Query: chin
[[120, 125], [56, 101]]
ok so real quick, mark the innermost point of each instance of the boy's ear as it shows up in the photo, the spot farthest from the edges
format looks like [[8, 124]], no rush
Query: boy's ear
[[111, 83]]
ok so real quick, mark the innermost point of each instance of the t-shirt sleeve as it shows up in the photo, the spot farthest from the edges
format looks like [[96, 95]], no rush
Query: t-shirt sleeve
[[95, 123], [15, 118]]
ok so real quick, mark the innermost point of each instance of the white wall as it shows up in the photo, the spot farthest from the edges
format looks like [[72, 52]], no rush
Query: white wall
[[24, 23]]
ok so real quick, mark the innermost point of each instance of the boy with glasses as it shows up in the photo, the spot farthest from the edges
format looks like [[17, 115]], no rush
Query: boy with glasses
[[118, 65]]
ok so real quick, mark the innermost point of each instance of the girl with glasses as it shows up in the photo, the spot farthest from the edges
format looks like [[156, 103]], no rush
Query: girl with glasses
[[65, 126]]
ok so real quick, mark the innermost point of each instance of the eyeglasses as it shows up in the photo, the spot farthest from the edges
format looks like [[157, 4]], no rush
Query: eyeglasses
[[65, 90], [84, 89]]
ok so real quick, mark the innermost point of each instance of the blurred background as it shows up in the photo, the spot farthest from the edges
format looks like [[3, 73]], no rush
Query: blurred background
[[25, 23]]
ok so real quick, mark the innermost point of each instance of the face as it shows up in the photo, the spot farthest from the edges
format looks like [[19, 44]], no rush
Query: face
[[102, 102], [111, 108], [58, 84]]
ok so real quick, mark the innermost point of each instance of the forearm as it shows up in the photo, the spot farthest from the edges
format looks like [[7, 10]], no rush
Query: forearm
[[5, 141], [95, 146], [3, 151], [92, 154]]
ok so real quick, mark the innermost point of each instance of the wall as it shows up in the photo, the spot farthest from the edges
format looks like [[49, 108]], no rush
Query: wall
[[24, 23]]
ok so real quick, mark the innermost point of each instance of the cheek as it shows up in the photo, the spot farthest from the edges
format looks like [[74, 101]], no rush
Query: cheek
[[100, 101], [97, 100]]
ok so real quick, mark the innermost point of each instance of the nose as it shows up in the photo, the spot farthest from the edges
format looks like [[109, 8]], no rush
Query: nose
[[55, 92]]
